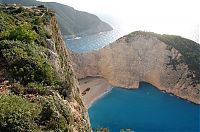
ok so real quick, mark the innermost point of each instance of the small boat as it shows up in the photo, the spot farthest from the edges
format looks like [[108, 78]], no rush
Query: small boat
[[77, 38]]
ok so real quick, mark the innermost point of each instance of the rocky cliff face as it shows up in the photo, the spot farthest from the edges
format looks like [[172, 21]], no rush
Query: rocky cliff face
[[37, 81], [139, 57], [59, 57]]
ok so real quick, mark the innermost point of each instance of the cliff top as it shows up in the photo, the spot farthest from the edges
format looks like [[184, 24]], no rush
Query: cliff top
[[188, 48], [26, 11]]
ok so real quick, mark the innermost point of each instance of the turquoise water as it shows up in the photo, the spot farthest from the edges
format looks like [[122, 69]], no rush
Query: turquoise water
[[143, 110]]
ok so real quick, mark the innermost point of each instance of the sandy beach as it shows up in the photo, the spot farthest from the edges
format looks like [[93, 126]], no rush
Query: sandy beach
[[93, 88]]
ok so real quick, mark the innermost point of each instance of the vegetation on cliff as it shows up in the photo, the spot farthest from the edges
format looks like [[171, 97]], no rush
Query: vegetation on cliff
[[71, 21], [31, 90], [190, 51], [22, 45], [17, 114]]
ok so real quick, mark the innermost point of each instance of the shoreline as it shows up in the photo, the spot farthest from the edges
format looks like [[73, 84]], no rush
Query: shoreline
[[99, 97], [93, 88]]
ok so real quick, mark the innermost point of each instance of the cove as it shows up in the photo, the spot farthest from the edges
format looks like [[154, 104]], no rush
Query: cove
[[145, 109]]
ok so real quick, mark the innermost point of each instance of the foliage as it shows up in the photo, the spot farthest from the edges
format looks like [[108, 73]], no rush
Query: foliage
[[55, 114], [22, 32], [7, 22], [23, 44], [23, 48], [17, 114], [20, 10], [27, 62], [25, 26], [189, 49], [35, 88], [17, 88]]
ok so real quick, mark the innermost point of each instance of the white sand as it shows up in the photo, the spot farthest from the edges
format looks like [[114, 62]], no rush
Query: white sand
[[93, 88]]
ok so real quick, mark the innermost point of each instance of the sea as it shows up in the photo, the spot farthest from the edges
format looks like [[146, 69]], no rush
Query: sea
[[83, 44], [145, 109]]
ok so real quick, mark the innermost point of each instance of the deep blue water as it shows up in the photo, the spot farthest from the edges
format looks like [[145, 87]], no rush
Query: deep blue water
[[143, 110]]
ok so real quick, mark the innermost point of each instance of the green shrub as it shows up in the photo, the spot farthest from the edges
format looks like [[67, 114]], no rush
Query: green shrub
[[37, 20], [57, 123], [22, 32], [19, 10], [17, 88], [36, 88], [55, 114], [189, 49], [17, 114], [27, 62], [7, 22]]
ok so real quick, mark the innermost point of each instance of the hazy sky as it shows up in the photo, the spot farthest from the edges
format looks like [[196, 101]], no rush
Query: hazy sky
[[179, 17]]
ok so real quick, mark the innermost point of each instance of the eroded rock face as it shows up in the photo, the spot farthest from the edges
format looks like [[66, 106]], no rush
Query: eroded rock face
[[136, 58], [58, 56]]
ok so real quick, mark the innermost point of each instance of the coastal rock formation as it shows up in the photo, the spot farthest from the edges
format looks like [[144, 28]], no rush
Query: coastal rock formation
[[165, 61], [38, 88]]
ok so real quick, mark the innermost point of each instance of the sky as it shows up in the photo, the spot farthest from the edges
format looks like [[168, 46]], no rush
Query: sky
[[177, 17]]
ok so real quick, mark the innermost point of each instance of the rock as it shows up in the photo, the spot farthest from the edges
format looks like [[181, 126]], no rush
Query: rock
[[139, 57], [60, 60]]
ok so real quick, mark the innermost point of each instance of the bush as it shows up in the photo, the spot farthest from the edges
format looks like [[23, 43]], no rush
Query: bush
[[22, 32], [19, 10], [189, 49], [17, 114], [37, 20], [55, 114], [27, 62], [35, 88], [17, 88]]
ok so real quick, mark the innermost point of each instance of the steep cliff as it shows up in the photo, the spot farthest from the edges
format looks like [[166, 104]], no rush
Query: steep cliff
[[38, 88], [170, 63]]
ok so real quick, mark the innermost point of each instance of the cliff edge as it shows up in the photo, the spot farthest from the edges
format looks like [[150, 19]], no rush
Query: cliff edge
[[171, 63], [38, 88], [71, 21]]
